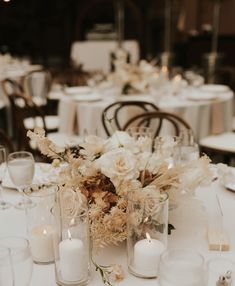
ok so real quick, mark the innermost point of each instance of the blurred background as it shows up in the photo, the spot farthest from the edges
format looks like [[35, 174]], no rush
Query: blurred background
[[45, 30]]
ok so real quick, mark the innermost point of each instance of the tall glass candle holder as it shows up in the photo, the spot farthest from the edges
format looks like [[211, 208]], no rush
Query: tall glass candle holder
[[147, 229], [72, 249], [40, 222]]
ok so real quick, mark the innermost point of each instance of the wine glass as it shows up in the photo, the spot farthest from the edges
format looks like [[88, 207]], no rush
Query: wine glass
[[21, 170], [20, 257], [3, 204]]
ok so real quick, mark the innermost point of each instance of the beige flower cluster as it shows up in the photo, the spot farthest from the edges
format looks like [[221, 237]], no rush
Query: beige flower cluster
[[102, 172]]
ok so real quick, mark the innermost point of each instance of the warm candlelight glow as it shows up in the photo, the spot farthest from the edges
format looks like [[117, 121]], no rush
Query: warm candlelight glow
[[44, 231], [148, 237], [164, 69], [69, 235], [178, 77]]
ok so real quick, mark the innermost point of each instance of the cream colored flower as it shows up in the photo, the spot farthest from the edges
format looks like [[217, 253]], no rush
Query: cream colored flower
[[116, 272], [120, 139], [118, 165], [93, 145], [126, 186]]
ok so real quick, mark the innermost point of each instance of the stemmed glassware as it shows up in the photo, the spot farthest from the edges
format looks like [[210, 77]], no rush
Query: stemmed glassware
[[21, 170], [3, 204], [20, 261]]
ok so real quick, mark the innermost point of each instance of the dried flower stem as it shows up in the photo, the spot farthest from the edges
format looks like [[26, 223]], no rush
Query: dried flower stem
[[104, 272]]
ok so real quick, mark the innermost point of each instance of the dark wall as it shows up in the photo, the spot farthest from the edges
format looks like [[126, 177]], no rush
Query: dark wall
[[45, 29]]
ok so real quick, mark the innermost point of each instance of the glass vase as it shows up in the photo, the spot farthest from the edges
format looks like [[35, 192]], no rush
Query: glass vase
[[40, 221], [72, 249], [147, 228]]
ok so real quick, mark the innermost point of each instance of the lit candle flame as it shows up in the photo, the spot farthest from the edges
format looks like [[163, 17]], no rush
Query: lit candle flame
[[69, 235], [148, 237], [178, 77], [44, 231], [164, 69]]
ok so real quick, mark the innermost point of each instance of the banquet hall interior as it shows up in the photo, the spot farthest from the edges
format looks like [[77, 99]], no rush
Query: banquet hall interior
[[75, 44], [117, 142]]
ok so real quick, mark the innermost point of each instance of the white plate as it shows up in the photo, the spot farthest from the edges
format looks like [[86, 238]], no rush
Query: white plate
[[86, 97], [44, 173], [73, 90], [214, 88]]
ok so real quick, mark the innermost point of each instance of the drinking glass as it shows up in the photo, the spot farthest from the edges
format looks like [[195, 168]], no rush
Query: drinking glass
[[22, 263], [3, 204], [21, 170], [168, 149], [188, 147], [181, 267], [6, 272], [143, 137]]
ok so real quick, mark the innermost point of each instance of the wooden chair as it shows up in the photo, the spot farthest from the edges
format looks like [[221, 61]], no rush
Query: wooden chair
[[113, 116], [24, 108], [37, 85], [11, 86], [157, 121]]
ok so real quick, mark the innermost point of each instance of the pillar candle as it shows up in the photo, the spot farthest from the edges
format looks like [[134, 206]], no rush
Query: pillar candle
[[71, 253], [41, 243]]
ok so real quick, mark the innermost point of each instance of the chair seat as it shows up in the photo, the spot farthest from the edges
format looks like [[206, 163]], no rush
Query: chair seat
[[52, 122], [224, 142]]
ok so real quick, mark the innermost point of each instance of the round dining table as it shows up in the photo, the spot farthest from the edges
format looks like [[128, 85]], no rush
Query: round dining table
[[207, 111], [191, 218]]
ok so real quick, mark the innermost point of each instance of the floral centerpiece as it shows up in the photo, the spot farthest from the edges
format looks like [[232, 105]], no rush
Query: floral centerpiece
[[102, 171]]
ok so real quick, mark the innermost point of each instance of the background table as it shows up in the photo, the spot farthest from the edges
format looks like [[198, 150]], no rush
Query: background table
[[190, 220], [204, 116]]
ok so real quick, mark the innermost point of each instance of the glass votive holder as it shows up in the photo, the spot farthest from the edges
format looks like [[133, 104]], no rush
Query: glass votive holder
[[220, 267], [40, 221], [72, 249], [20, 259], [143, 137], [147, 228], [189, 149], [168, 149], [181, 267]]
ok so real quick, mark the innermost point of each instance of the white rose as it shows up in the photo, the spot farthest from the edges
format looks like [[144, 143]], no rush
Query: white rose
[[93, 145], [118, 165], [120, 139]]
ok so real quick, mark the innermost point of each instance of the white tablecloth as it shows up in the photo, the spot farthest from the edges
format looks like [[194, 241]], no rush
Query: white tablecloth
[[204, 116], [190, 220]]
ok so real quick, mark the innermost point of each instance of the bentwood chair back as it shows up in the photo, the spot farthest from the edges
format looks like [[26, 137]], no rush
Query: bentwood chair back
[[23, 108], [115, 115], [158, 121], [37, 85], [11, 86]]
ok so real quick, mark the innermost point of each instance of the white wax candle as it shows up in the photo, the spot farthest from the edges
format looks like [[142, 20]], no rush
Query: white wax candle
[[147, 255], [41, 242], [71, 259]]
